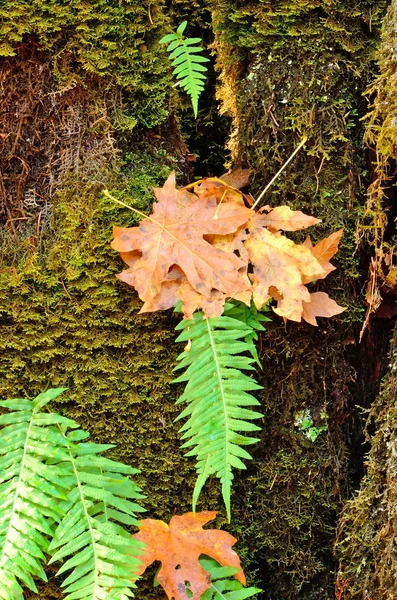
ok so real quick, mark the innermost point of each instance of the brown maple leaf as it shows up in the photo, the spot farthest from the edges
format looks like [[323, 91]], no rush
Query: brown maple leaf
[[281, 264], [174, 235], [178, 547], [320, 305], [196, 247], [238, 178], [324, 250], [176, 287], [224, 191], [282, 217]]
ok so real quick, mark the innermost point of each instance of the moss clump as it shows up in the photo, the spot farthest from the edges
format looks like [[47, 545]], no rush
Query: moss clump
[[377, 226], [292, 491], [117, 41], [367, 529], [65, 320]]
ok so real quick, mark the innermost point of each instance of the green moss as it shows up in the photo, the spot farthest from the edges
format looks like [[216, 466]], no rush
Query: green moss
[[292, 491], [377, 226], [367, 532], [115, 40], [65, 320]]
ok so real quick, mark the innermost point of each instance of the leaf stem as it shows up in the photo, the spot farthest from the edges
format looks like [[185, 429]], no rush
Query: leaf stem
[[138, 212], [303, 142]]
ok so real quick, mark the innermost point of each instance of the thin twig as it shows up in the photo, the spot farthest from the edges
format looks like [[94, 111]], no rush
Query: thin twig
[[303, 142]]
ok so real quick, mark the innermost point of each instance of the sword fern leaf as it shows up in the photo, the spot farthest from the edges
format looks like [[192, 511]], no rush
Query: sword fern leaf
[[29, 489], [188, 63], [223, 585], [217, 394]]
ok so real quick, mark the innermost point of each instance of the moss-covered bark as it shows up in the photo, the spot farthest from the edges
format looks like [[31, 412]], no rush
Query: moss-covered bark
[[287, 69], [290, 69], [367, 529]]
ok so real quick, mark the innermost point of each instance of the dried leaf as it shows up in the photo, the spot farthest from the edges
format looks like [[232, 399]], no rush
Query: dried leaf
[[281, 264], [225, 192], [173, 235], [238, 178], [176, 287], [320, 305], [282, 217], [178, 548], [324, 251]]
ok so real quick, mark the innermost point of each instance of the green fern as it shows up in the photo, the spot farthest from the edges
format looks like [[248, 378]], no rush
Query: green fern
[[29, 489], [189, 70], [216, 394], [54, 486], [102, 555], [222, 586]]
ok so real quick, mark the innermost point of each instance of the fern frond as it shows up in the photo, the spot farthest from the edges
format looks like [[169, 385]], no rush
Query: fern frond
[[216, 394], [222, 586], [100, 553], [188, 63], [29, 489]]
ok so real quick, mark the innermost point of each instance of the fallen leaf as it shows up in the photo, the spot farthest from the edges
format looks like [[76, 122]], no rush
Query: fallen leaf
[[176, 287], [320, 305], [282, 217], [281, 264], [197, 247], [168, 294], [173, 235], [178, 547], [324, 251], [238, 178], [221, 189]]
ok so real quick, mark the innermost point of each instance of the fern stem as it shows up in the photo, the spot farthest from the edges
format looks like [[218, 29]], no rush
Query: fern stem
[[87, 516], [224, 404]]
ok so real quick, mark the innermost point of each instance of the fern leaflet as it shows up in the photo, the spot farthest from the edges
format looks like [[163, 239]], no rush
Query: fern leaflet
[[29, 489], [185, 57], [222, 586], [216, 394], [253, 318]]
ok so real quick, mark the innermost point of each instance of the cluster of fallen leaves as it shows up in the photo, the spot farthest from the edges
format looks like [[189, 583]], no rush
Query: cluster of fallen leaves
[[204, 243], [178, 547]]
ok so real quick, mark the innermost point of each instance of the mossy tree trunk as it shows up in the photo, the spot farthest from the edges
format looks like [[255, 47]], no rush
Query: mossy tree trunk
[[87, 96]]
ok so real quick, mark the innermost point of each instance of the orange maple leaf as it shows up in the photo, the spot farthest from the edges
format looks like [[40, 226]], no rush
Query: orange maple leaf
[[196, 247], [281, 264], [176, 287], [324, 250], [174, 235], [282, 217], [320, 305], [178, 547]]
